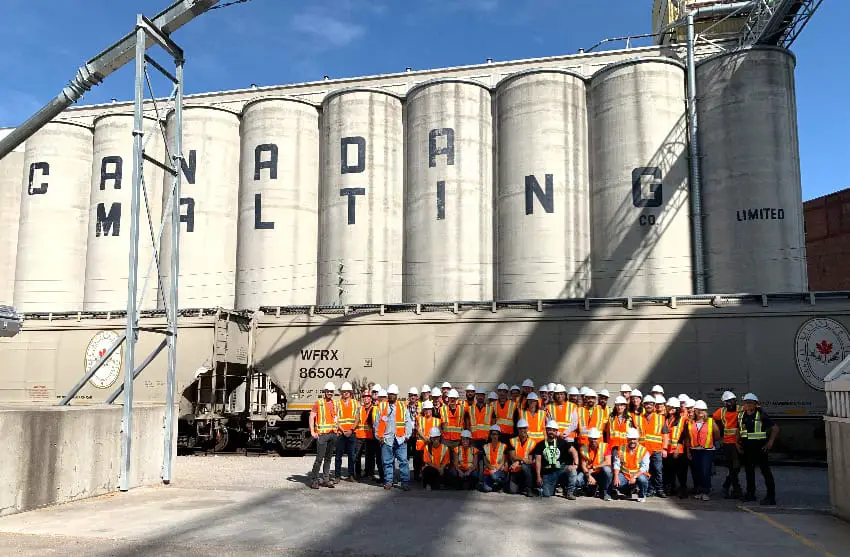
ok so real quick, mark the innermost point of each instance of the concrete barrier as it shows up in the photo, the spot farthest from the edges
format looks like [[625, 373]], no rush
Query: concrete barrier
[[57, 454], [837, 420]]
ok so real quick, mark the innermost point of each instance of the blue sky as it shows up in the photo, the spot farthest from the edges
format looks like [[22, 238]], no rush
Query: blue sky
[[270, 42]]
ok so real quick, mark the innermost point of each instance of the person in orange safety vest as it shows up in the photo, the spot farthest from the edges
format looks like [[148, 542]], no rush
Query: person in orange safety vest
[[365, 443], [493, 459], [478, 419], [595, 472], [323, 428], [452, 416], [347, 412], [631, 468], [465, 462], [504, 413], [436, 470], [421, 429], [534, 417], [521, 470], [727, 418], [676, 462]]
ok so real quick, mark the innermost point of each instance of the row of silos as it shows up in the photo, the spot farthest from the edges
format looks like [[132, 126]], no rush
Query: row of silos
[[549, 186]]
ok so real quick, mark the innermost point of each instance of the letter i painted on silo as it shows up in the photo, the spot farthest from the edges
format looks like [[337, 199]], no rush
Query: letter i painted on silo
[[259, 165], [449, 152], [346, 167], [189, 172]]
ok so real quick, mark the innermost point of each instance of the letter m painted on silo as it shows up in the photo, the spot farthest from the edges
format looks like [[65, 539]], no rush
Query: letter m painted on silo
[[107, 223], [533, 189]]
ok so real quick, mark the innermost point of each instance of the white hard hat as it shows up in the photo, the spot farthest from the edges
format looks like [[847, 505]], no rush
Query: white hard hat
[[636, 392], [701, 405], [436, 391], [532, 396], [528, 383], [446, 385], [589, 393], [413, 391], [480, 390], [346, 387], [515, 387], [502, 387], [625, 387], [632, 433], [494, 427], [620, 400], [572, 391], [657, 389], [522, 423], [659, 399], [593, 433], [330, 386], [427, 404], [582, 390], [560, 388], [382, 393], [551, 424], [728, 395], [683, 397], [492, 396], [649, 398], [672, 401], [466, 434], [376, 387], [392, 389], [435, 432], [551, 387], [690, 403], [470, 387], [453, 394], [605, 393], [426, 389], [544, 388], [751, 397]]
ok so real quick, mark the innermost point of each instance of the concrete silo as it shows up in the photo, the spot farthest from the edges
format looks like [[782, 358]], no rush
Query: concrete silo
[[209, 200], [543, 220], [448, 199], [109, 213], [278, 204], [51, 261], [641, 230], [11, 170], [752, 195], [360, 199]]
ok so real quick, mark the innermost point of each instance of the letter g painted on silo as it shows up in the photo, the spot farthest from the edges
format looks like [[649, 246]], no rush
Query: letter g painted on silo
[[655, 187]]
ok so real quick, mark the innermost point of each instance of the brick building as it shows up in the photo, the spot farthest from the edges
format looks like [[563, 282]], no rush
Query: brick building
[[827, 225]]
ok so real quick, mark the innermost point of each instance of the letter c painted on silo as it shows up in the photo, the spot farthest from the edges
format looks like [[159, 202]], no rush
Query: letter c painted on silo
[[45, 171]]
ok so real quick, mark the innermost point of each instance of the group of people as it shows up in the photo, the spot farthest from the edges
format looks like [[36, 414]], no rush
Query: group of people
[[519, 440]]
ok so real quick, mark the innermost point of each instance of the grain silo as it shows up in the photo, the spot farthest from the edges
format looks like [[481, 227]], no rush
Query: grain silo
[[278, 204], [360, 199], [51, 262], [11, 170], [448, 200], [209, 199], [752, 196], [109, 213], [641, 239], [543, 239]]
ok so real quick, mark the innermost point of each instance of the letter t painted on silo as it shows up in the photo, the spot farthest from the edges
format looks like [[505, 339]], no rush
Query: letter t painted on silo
[[352, 194]]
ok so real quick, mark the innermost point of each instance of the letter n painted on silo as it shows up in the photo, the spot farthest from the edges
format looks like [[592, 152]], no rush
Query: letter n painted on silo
[[107, 223], [352, 194], [360, 165], [546, 198], [190, 168]]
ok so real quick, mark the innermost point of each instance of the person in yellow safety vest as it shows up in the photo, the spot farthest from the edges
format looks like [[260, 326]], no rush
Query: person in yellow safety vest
[[595, 474], [602, 402], [676, 463], [564, 413], [365, 443], [703, 436], [589, 417], [520, 473], [323, 428], [393, 428], [465, 462], [631, 468], [422, 427], [727, 418], [504, 413], [478, 418], [493, 460], [535, 419], [754, 443], [346, 419], [452, 416], [436, 470], [470, 397]]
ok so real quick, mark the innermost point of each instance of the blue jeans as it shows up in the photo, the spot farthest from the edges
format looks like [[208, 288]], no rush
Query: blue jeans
[[604, 476], [490, 481], [701, 469], [389, 454], [656, 471], [563, 477], [345, 445], [642, 484]]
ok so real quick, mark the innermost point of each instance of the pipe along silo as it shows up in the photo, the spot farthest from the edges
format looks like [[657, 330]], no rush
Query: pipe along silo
[[752, 194], [50, 267], [109, 213], [641, 235], [360, 198], [543, 221], [448, 199], [209, 199], [11, 170], [278, 204]]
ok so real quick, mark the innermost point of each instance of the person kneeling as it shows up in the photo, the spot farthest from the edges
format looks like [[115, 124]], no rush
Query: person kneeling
[[556, 462], [436, 457], [631, 467], [464, 462], [595, 463], [522, 462], [494, 462]]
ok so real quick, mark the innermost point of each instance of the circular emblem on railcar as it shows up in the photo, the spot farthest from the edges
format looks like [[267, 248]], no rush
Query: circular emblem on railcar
[[108, 373], [822, 343]]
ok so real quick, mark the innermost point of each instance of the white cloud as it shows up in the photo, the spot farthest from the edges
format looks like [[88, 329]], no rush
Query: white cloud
[[325, 28]]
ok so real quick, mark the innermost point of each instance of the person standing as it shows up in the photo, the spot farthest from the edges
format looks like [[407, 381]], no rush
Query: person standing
[[478, 418], [676, 463], [564, 413], [504, 413], [619, 424], [323, 428], [347, 411], [703, 435], [414, 410], [727, 418], [631, 467], [452, 416], [364, 432], [393, 428], [556, 463], [655, 436], [754, 443], [591, 416], [534, 418]]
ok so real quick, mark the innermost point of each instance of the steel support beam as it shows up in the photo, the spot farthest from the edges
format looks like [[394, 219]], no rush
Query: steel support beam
[[695, 165]]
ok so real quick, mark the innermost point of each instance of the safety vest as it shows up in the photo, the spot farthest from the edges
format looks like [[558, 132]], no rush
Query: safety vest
[[437, 456], [425, 426], [325, 421], [730, 424], [758, 433], [561, 414], [605, 413], [364, 428], [521, 450], [587, 420], [536, 424], [504, 415], [651, 436], [493, 458], [594, 459], [452, 422], [479, 421], [676, 427], [346, 412], [709, 434], [466, 457], [630, 461], [636, 417], [467, 405], [400, 420], [617, 431]]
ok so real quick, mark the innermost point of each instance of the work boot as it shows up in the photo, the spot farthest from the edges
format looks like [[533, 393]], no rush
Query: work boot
[[661, 495], [570, 496], [768, 501], [328, 483], [314, 485]]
